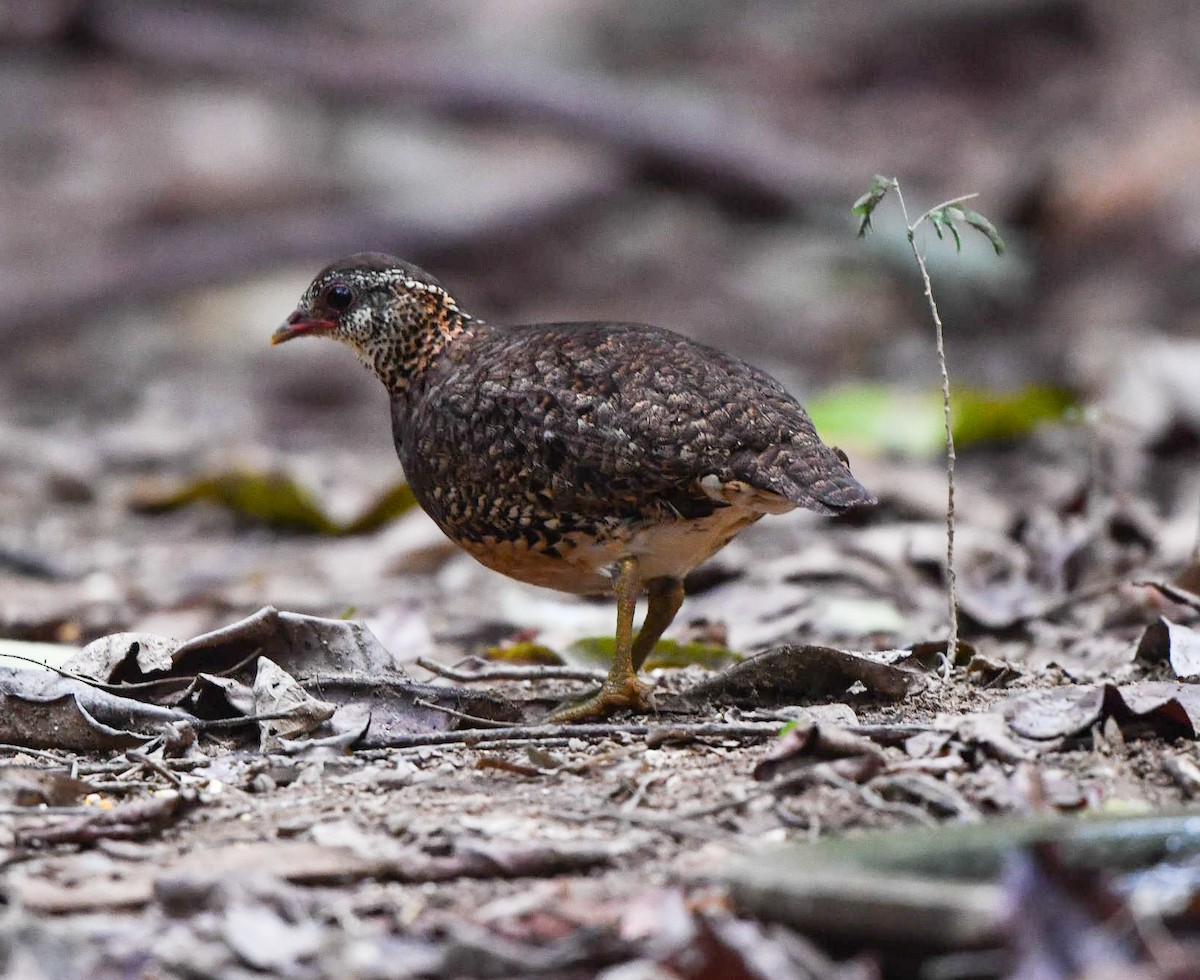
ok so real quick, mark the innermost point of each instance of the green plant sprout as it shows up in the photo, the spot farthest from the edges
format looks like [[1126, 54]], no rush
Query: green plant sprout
[[944, 219]]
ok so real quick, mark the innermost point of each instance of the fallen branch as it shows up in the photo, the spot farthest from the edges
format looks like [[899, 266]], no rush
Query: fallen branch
[[541, 733], [473, 719], [128, 821], [508, 672]]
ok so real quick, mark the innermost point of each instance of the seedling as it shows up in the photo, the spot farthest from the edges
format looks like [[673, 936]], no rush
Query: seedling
[[945, 219]]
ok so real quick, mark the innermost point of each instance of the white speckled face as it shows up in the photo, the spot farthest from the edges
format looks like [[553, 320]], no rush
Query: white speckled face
[[393, 315], [367, 304]]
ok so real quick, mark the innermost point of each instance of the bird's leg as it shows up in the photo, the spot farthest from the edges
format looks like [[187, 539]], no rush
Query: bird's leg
[[621, 688], [666, 596]]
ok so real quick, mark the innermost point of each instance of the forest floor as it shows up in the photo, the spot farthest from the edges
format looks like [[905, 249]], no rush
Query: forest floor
[[425, 846], [267, 771]]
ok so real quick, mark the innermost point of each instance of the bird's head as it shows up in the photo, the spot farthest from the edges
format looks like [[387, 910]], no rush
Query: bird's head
[[394, 315]]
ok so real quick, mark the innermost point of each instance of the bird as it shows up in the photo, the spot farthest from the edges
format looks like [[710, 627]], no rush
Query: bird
[[593, 458]]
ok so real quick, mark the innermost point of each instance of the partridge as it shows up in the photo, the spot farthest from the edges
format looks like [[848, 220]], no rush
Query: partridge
[[585, 457]]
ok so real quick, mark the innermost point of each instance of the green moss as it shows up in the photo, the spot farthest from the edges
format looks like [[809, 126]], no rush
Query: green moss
[[274, 500], [887, 419], [523, 653], [595, 651]]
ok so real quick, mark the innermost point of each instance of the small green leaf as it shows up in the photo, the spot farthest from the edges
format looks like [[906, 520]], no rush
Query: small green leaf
[[262, 498], [879, 418], [599, 651], [394, 502], [866, 205], [955, 235], [986, 228], [524, 653], [271, 499], [990, 416]]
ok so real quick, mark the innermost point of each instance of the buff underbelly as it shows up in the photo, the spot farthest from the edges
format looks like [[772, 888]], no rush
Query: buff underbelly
[[582, 563]]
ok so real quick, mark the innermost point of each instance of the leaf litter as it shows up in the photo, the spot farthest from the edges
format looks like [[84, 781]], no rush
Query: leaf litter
[[299, 673], [409, 780], [407, 836]]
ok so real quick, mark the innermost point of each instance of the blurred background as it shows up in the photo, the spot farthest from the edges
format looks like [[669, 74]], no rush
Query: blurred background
[[171, 175]]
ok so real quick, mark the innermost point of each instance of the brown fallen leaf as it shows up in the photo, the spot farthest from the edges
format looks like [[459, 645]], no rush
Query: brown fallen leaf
[[809, 742], [30, 786], [989, 732], [47, 711], [1165, 640], [1060, 712], [791, 673], [1171, 710], [277, 693], [341, 661], [304, 646]]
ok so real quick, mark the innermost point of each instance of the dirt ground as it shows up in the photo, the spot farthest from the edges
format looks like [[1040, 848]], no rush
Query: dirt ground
[[564, 853]]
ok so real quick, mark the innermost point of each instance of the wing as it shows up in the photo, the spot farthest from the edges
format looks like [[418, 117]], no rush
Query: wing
[[628, 421]]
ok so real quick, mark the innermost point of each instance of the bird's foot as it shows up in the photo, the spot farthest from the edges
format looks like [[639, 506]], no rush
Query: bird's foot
[[618, 692]]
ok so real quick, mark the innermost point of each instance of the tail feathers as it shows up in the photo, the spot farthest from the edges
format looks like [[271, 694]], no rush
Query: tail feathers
[[814, 476]]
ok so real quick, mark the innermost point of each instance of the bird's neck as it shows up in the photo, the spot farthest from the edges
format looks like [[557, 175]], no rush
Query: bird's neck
[[423, 330]]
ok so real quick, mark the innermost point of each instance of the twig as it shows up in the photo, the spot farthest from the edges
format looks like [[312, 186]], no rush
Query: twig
[[511, 673], [122, 785], [184, 680], [541, 733], [164, 260], [683, 822], [810, 823], [96, 768], [90, 681], [37, 753], [639, 794], [671, 826], [208, 724], [808, 775], [951, 577], [155, 765], [473, 719], [1177, 595], [116, 688], [15, 810], [876, 802], [127, 821]]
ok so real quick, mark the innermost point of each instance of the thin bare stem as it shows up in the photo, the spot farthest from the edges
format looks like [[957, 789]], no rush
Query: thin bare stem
[[951, 577], [937, 207], [1195, 559]]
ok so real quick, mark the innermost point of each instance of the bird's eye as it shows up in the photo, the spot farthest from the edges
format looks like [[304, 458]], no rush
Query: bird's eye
[[338, 297]]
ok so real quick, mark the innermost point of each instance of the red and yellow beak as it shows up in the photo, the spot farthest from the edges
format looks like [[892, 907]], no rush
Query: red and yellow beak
[[299, 324]]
